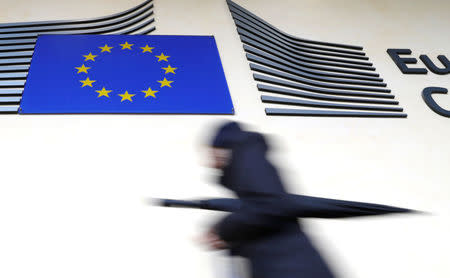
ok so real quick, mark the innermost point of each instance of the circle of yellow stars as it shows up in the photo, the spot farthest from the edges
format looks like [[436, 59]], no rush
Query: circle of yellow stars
[[126, 96]]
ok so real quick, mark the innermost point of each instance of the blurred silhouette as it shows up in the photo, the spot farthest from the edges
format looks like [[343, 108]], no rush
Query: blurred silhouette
[[263, 225], [275, 245]]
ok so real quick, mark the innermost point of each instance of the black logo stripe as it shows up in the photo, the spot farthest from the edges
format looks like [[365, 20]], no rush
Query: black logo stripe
[[233, 6], [328, 76]]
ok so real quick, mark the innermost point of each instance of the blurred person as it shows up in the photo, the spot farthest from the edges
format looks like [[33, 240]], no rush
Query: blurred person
[[275, 246]]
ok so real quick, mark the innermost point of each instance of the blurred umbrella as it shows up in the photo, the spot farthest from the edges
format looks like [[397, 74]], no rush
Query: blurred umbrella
[[290, 205]]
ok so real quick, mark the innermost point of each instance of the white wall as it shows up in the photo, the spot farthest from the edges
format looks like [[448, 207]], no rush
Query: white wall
[[72, 186]]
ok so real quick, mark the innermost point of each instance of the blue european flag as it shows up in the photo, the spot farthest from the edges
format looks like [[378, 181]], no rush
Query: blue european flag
[[126, 74]]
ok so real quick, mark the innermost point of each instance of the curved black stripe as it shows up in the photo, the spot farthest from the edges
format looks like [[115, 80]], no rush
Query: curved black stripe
[[294, 78], [18, 42], [305, 74], [262, 44], [288, 61], [250, 45], [14, 60], [17, 54], [279, 82], [331, 113], [290, 36], [14, 68], [284, 91], [13, 76], [11, 92], [260, 26], [140, 26], [8, 55], [9, 100], [12, 48], [63, 22], [297, 49], [146, 31], [291, 61], [17, 61], [76, 26], [12, 83], [88, 31], [9, 109], [274, 62], [308, 103], [263, 28]]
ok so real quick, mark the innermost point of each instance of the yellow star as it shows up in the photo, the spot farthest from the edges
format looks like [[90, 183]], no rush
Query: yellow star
[[126, 45], [82, 69], [149, 92], [126, 96], [106, 48], [87, 82], [103, 92], [165, 83], [89, 57], [147, 48], [162, 57], [169, 69]]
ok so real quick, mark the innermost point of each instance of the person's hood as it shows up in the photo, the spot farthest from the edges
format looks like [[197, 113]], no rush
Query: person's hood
[[248, 149], [227, 136], [231, 136]]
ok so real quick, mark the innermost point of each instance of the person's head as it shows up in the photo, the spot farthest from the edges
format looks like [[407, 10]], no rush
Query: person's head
[[219, 157], [222, 144]]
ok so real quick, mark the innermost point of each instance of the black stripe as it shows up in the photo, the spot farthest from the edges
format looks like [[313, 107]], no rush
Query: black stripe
[[13, 76], [280, 82], [309, 103], [11, 92], [291, 77], [63, 22], [87, 31], [12, 83], [9, 100], [14, 68], [76, 26], [252, 28], [266, 46], [9, 109], [274, 62], [232, 4], [284, 91], [331, 113], [280, 57], [324, 73]]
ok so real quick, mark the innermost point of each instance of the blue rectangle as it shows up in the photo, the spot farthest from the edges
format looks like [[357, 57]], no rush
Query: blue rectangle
[[126, 74]]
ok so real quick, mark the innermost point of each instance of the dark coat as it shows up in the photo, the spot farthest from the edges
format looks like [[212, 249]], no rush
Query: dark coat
[[275, 246]]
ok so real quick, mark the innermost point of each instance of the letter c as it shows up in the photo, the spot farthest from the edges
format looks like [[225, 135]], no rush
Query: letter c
[[426, 95]]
